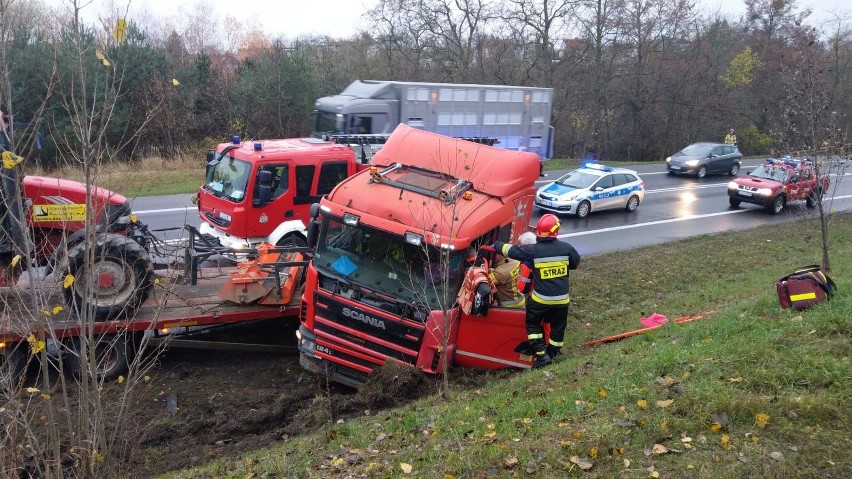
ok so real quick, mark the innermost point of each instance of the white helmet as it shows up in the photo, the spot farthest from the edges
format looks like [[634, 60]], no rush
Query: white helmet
[[527, 238]]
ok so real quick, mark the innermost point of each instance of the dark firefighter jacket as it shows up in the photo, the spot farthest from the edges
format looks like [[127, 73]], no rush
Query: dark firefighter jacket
[[551, 260]]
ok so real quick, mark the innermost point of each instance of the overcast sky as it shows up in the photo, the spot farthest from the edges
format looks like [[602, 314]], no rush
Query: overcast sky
[[342, 18]]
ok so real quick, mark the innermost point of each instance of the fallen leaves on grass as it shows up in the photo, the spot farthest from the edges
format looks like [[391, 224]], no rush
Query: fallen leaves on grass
[[664, 403], [642, 403], [719, 421], [761, 420], [582, 462], [406, 468]]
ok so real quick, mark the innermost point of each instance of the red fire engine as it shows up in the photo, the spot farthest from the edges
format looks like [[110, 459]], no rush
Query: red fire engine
[[260, 191]]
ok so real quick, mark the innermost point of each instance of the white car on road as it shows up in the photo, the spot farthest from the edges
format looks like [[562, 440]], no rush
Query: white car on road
[[590, 188]]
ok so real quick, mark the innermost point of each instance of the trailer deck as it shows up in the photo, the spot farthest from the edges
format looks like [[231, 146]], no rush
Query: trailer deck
[[171, 306]]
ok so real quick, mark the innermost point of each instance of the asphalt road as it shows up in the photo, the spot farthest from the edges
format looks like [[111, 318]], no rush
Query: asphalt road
[[675, 207]]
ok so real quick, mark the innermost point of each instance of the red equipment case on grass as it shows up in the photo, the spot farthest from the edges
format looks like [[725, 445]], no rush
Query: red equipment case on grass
[[804, 288]]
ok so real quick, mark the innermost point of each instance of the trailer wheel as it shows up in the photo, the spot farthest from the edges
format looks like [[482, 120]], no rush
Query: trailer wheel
[[113, 354], [13, 363], [117, 281]]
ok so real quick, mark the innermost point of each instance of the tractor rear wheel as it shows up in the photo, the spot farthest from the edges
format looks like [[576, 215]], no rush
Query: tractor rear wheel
[[114, 283]]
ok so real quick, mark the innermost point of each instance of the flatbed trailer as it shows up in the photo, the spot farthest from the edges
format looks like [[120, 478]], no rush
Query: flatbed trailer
[[178, 305]]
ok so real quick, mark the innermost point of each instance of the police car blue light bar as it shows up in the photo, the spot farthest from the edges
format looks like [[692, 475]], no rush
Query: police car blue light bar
[[596, 166]]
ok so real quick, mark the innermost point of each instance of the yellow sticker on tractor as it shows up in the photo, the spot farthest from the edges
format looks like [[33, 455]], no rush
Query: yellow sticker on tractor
[[58, 213]]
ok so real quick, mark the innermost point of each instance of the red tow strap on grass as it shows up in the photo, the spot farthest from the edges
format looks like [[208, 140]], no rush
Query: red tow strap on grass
[[680, 320]]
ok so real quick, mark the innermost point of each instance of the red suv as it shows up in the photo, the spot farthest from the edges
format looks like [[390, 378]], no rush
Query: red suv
[[776, 182]]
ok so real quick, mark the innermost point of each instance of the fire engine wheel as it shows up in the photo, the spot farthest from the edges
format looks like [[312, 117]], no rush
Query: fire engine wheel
[[702, 172], [13, 363], [777, 205], [632, 204], [116, 282], [735, 203], [292, 240], [113, 354], [583, 209]]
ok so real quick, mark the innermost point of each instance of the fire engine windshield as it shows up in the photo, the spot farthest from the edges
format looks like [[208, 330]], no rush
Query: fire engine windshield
[[227, 177], [327, 123], [374, 260]]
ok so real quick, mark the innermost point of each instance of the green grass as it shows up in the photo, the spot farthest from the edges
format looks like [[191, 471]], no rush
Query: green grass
[[611, 404]]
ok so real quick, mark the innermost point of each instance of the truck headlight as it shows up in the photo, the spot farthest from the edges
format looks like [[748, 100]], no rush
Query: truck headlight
[[732, 185], [764, 191], [307, 346]]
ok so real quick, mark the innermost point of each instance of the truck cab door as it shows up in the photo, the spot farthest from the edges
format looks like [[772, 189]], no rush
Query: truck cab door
[[489, 342]]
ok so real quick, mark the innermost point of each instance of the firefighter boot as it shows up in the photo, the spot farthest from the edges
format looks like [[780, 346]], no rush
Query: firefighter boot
[[553, 351], [542, 359]]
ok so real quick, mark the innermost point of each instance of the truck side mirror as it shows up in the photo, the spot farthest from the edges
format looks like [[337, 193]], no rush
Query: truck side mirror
[[313, 226], [264, 187], [211, 155]]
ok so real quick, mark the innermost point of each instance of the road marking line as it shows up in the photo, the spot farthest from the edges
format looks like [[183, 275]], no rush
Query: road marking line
[[671, 220], [165, 210], [651, 223]]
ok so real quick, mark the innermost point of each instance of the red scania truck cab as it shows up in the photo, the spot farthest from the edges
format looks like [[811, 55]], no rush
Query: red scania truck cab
[[391, 253]]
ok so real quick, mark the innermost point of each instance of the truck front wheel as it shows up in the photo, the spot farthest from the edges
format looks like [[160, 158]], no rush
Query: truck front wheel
[[777, 205], [113, 282]]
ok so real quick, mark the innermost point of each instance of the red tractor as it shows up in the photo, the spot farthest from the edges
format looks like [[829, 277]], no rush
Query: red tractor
[[43, 224]]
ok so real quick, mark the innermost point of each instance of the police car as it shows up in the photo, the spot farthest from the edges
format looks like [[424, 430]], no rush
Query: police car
[[592, 187]]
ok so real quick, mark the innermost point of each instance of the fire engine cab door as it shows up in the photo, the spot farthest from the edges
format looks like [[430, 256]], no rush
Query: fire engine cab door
[[489, 342], [263, 218]]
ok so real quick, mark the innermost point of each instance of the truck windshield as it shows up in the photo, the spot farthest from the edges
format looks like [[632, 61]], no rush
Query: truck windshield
[[227, 177], [378, 261], [327, 123], [770, 173]]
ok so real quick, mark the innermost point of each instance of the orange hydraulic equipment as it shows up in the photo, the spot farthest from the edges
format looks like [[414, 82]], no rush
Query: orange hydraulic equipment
[[270, 279]]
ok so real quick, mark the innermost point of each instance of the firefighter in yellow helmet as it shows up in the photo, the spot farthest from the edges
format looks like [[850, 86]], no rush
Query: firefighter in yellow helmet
[[552, 259], [731, 138]]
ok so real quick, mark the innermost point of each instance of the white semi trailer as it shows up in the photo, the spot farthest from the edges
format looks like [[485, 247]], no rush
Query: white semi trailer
[[518, 117]]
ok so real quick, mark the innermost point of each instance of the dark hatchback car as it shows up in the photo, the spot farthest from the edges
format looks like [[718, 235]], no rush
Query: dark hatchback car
[[701, 159]]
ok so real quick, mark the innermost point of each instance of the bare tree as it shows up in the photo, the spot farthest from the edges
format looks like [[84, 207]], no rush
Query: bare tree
[[62, 427], [542, 23], [811, 125]]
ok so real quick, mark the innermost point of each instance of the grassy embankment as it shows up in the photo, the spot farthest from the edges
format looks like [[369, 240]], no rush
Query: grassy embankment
[[150, 177], [752, 390]]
